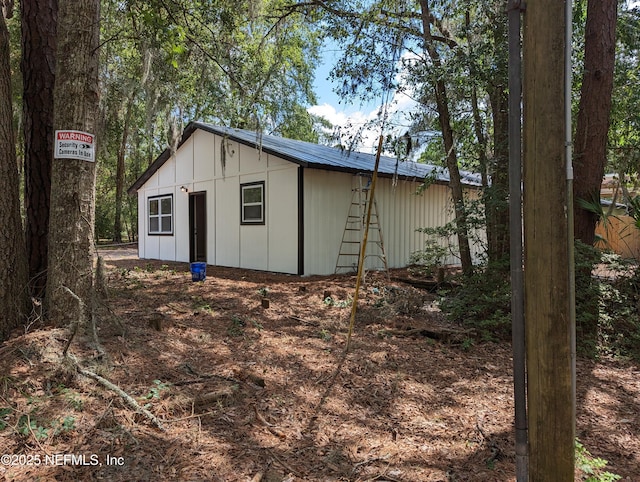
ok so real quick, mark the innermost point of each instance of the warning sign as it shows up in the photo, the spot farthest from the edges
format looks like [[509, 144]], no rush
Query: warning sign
[[75, 145]]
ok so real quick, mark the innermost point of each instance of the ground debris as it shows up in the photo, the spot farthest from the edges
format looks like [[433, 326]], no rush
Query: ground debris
[[237, 404]]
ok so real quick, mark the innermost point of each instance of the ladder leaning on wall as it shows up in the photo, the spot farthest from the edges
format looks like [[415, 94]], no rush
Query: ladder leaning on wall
[[354, 228]]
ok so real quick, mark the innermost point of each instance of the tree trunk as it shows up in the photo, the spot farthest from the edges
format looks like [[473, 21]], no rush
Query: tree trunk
[[496, 204], [455, 183], [481, 141], [499, 206], [71, 228], [39, 19], [592, 126], [120, 172], [551, 413], [13, 262]]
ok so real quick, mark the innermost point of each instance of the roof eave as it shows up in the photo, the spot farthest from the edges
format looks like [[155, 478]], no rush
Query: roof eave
[[193, 126]]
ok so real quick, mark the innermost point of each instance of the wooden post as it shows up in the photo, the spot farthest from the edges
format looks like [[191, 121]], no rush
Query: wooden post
[[551, 413]]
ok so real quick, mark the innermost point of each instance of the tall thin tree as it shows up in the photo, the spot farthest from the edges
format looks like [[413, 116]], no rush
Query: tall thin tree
[[39, 20], [592, 125], [444, 118], [13, 266], [72, 217]]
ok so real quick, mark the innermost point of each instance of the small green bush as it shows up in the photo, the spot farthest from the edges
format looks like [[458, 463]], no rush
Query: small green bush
[[482, 302], [587, 298], [592, 467], [619, 310]]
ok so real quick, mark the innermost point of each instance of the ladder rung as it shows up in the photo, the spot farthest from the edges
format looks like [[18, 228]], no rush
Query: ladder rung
[[356, 219]]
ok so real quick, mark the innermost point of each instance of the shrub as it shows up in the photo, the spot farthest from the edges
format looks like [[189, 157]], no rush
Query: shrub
[[619, 309], [482, 302], [587, 298]]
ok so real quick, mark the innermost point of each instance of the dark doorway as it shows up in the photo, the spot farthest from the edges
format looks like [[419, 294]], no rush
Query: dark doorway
[[198, 226]]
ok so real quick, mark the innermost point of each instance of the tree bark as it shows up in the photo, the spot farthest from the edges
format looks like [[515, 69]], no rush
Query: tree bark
[[592, 126], [551, 412], [499, 171], [444, 118], [496, 208], [120, 171], [499, 100], [13, 262], [72, 218], [39, 20]]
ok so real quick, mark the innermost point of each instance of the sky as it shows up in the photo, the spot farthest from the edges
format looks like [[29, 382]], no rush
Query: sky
[[339, 113], [333, 108]]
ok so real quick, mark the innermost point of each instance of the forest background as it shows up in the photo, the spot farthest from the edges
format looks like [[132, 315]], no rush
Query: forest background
[[133, 73], [163, 64]]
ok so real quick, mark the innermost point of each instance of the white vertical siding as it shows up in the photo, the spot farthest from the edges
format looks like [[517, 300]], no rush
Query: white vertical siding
[[167, 248], [227, 222], [167, 174], [142, 224], [204, 155], [282, 217], [327, 198], [157, 246], [185, 162], [253, 247], [197, 166], [403, 212], [231, 157], [180, 221]]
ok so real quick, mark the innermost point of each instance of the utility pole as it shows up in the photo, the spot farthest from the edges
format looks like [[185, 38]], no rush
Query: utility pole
[[514, 13], [551, 412]]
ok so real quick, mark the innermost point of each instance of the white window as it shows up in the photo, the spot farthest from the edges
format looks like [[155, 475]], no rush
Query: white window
[[252, 203], [161, 214]]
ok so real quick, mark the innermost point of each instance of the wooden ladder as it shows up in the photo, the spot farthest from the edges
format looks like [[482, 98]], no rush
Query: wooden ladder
[[353, 233]]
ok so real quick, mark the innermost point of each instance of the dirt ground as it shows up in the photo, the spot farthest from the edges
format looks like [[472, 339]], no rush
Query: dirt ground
[[248, 390]]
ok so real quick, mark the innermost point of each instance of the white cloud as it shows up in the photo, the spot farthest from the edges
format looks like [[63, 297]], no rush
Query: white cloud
[[366, 122], [367, 125]]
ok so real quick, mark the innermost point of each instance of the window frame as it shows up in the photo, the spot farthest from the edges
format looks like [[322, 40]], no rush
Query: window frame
[[262, 204], [160, 216]]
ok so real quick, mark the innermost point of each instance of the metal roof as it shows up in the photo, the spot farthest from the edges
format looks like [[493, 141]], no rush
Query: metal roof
[[315, 156]]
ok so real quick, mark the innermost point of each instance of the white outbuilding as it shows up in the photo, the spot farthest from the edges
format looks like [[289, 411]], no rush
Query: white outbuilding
[[232, 197]]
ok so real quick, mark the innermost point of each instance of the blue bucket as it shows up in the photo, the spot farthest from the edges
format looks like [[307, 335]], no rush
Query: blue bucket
[[198, 271]]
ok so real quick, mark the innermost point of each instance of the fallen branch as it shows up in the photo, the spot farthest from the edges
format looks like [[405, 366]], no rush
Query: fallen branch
[[357, 465], [94, 334], [35, 436], [269, 426], [427, 285], [77, 323], [442, 334], [496, 452], [303, 321], [188, 417], [211, 397], [258, 477], [283, 464], [124, 395], [203, 377]]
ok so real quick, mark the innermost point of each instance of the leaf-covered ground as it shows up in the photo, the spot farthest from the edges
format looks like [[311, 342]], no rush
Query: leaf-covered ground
[[246, 392]]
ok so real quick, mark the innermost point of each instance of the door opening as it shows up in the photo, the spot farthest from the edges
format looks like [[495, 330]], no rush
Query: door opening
[[198, 226]]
